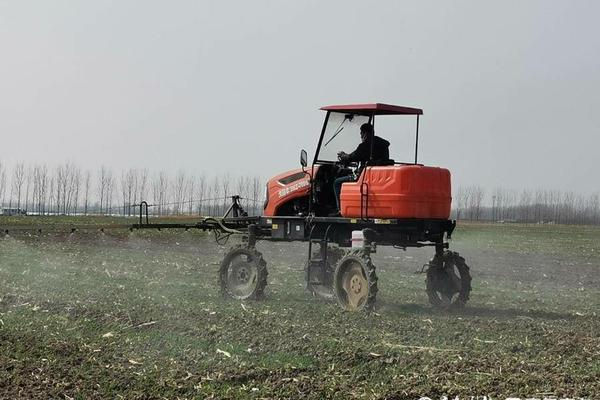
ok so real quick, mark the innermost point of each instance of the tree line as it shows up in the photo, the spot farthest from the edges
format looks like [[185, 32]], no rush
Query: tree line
[[526, 206], [67, 189]]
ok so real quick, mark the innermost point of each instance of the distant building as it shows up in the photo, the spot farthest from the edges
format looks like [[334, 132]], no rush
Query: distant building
[[13, 211]]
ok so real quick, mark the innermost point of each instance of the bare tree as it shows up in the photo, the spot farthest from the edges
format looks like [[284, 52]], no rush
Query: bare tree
[[159, 192], [497, 203], [28, 184], [595, 208], [256, 192], [462, 200], [2, 183], [60, 178], [128, 181], [200, 192], [524, 205], [17, 181], [190, 188], [225, 191], [71, 176], [76, 184], [143, 185], [110, 185], [86, 191], [102, 186], [40, 188], [214, 195], [179, 192], [51, 193]]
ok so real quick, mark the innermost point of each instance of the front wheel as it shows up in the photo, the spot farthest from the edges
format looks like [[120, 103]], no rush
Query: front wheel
[[243, 274], [448, 281], [355, 281]]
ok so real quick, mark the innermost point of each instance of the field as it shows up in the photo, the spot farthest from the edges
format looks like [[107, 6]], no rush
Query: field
[[139, 315]]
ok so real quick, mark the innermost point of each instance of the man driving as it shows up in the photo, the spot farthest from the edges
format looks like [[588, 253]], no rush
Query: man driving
[[362, 154]]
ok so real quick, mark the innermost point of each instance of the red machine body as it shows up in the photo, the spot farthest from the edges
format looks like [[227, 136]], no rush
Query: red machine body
[[398, 191], [285, 189], [385, 189]]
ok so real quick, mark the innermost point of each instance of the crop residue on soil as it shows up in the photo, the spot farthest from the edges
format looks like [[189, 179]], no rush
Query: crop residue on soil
[[140, 315]]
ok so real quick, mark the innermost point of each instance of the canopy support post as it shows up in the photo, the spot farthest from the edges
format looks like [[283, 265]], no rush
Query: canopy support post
[[417, 140]]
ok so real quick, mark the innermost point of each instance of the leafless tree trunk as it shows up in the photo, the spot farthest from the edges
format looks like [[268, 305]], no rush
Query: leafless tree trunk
[[2, 184], [225, 188], [86, 186], [462, 200], [525, 204], [143, 185], [127, 189], [159, 191], [256, 193], [76, 189], [18, 180], [595, 208], [103, 178], [191, 186], [51, 194], [200, 191], [58, 188], [110, 186], [40, 188], [179, 194], [70, 187], [28, 184], [215, 196]]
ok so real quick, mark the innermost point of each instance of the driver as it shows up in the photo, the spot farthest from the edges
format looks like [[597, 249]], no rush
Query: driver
[[362, 154]]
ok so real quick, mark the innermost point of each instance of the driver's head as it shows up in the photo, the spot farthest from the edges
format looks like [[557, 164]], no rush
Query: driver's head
[[366, 131]]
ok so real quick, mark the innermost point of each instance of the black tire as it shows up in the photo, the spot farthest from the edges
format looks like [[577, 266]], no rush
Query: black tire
[[448, 282], [355, 281], [243, 274]]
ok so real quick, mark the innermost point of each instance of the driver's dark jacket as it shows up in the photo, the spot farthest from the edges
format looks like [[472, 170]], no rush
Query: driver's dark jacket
[[362, 153]]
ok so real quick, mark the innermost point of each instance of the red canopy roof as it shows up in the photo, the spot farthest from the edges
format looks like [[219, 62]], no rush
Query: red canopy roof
[[374, 108]]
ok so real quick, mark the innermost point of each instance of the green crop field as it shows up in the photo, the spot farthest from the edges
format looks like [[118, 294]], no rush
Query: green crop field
[[138, 315]]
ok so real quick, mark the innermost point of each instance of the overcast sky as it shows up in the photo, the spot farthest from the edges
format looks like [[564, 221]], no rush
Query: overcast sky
[[510, 89]]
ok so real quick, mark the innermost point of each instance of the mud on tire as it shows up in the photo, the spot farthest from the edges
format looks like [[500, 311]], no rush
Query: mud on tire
[[243, 274], [355, 281], [448, 282]]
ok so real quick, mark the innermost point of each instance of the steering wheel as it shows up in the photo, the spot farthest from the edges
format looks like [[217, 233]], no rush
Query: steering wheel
[[343, 167]]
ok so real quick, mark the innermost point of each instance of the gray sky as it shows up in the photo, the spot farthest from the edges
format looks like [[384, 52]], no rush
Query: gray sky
[[510, 89]]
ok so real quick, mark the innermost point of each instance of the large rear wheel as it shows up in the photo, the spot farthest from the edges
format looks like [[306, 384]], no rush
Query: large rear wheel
[[448, 281], [355, 281], [243, 274]]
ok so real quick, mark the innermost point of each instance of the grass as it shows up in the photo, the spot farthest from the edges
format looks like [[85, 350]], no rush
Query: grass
[[139, 315]]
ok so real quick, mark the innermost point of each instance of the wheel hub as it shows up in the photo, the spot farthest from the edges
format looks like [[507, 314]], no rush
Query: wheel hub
[[242, 275], [355, 284]]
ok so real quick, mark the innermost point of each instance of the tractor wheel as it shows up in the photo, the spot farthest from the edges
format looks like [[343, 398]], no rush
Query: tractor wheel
[[355, 281], [243, 274], [448, 281], [324, 291]]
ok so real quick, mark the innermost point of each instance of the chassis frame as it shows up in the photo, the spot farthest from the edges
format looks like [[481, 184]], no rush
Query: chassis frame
[[323, 231]]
